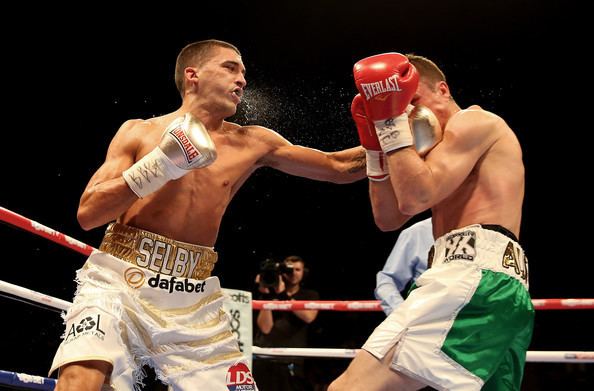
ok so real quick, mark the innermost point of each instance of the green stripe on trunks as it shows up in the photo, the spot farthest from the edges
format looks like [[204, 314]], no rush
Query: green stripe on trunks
[[503, 303]]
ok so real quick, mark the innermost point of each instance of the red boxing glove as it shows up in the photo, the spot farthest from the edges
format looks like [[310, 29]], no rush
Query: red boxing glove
[[388, 83], [377, 167], [365, 127]]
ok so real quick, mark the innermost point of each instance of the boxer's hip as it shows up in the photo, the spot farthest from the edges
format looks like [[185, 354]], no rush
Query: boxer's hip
[[158, 253], [486, 247]]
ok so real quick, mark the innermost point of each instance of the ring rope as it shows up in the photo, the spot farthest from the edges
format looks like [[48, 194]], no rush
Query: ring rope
[[292, 305], [531, 356], [295, 305], [374, 305], [34, 296], [27, 381], [44, 383], [27, 224]]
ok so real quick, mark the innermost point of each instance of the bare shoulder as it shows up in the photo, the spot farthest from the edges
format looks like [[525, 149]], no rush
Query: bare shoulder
[[131, 134], [257, 134], [477, 122], [147, 127], [134, 125], [474, 129]]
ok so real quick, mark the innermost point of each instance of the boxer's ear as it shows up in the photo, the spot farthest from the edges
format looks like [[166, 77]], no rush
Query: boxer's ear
[[191, 76]]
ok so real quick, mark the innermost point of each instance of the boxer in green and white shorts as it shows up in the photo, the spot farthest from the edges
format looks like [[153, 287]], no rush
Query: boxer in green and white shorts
[[467, 323]]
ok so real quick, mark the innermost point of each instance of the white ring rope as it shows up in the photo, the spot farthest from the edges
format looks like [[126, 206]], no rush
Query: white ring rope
[[34, 296], [43, 383], [532, 356]]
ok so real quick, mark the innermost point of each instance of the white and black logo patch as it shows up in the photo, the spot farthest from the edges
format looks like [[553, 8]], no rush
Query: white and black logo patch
[[89, 325], [460, 245]]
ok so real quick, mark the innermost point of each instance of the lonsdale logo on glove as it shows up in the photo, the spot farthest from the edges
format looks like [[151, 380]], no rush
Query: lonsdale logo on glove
[[190, 151], [379, 87]]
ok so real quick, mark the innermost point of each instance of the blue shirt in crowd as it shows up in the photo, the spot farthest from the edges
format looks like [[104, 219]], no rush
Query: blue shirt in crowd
[[407, 261]]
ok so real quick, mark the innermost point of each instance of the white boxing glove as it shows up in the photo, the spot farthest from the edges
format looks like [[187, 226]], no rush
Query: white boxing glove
[[426, 130], [417, 126], [185, 145]]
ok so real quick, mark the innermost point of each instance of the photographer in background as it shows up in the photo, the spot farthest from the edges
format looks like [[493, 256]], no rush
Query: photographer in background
[[282, 281]]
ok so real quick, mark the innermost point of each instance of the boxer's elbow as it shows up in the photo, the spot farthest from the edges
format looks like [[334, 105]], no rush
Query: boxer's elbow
[[411, 206], [85, 218], [84, 214], [386, 226], [386, 214], [388, 223], [416, 197], [88, 216]]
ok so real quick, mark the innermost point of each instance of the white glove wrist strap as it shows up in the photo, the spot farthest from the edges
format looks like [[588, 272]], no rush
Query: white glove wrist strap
[[151, 172], [394, 133]]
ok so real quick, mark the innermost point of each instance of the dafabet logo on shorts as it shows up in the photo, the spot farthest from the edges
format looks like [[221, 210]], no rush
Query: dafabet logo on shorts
[[135, 278], [239, 378]]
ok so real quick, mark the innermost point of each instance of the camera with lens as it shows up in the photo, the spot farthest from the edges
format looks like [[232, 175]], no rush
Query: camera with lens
[[270, 270]]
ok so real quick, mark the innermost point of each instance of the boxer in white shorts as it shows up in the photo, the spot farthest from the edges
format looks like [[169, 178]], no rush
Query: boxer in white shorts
[[468, 319], [127, 312], [174, 175]]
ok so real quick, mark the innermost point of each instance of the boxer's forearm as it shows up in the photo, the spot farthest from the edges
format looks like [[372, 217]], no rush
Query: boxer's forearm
[[104, 202], [384, 205], [350, 163]]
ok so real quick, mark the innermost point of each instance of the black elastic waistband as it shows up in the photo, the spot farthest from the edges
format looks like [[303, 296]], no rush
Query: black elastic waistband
[[501, 230]]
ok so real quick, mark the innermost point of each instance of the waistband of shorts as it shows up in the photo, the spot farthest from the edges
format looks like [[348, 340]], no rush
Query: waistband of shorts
[[158, 253], [501, 229], [491, 247]]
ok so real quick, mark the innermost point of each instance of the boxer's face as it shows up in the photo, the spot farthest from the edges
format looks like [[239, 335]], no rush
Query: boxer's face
[[435, 96], [426, 95], [221, 80]]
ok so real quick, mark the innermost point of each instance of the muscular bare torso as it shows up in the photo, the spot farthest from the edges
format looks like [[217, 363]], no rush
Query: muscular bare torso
[[190, 209], [493, 192]]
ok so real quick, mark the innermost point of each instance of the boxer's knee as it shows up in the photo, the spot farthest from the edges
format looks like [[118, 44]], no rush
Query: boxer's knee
[[340, 383]]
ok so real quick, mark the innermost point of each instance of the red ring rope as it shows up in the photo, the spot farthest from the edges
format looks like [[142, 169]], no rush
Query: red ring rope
[[292, 305]]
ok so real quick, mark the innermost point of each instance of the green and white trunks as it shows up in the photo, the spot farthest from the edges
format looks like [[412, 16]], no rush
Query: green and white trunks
[[467, 323]]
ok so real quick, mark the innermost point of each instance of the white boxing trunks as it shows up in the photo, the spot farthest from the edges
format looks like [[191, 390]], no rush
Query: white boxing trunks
[[467, 323], [129, 313]]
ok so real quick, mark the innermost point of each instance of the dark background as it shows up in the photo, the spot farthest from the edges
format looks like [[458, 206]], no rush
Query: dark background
[[68, 82]]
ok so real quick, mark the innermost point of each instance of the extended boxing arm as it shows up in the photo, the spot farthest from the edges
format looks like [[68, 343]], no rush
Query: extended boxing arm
[[344, 166]]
